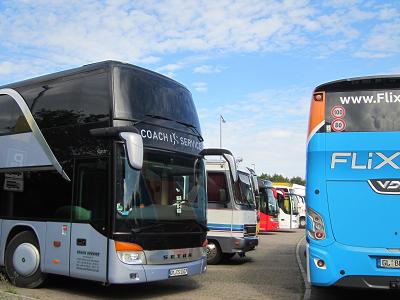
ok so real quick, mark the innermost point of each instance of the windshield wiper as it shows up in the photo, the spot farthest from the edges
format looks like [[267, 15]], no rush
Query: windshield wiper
[[140, 229], [190, 126], [194, 129]]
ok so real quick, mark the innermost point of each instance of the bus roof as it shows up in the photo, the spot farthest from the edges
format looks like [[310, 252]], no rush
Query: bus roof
[[108, 64], [359, 82]]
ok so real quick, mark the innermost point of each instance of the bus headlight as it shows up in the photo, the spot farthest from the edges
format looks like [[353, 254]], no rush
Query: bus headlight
[[129, 253], [318, 228], [132, 257]]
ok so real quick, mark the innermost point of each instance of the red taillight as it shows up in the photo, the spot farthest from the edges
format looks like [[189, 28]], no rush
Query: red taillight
[[205, 243], [319, 235]]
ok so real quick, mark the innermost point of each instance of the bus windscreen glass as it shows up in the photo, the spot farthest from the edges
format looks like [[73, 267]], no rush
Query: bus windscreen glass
[[168, 188]]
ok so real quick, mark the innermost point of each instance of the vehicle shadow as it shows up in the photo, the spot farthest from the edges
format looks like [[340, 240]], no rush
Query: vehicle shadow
[[236, 261], [89, 289]]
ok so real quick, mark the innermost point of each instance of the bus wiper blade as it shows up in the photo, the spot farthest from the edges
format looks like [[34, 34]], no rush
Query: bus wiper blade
[[140, 229], [193, 128]]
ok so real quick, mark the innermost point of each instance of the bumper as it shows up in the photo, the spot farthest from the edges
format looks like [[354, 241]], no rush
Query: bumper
[[120, 273], [350, 266], [235, 244]]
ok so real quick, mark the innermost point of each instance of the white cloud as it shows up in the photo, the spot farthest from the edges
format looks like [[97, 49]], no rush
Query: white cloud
[[142, 32], [206, 69], [384, 41], [200, 86]]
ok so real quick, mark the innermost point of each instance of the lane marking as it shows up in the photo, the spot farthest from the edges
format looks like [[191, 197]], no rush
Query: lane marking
[[307, 292]]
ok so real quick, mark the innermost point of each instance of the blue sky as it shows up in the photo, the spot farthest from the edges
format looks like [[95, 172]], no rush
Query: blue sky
[[255, 62]]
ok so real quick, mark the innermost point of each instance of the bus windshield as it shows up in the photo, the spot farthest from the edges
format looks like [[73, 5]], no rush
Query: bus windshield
[[269, 205], [295, 204], [244, 192], [170, 187]]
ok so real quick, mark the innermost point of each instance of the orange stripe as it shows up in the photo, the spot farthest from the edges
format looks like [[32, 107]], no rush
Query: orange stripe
[[317, 112], [122, 246]]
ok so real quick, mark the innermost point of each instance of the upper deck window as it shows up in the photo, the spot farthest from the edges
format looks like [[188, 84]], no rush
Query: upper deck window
[[12, 120], [138, 93]]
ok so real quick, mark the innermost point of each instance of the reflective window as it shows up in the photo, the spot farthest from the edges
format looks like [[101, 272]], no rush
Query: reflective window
[[139, 93], [364, 110], [68, 102], [169, 188], [217, 189], [12, 119]]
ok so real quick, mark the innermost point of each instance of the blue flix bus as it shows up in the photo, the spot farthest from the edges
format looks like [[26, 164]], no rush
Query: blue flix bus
[[353, 183]]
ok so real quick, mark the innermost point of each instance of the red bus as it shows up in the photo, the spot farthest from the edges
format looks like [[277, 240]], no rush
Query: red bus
[[269, 210]]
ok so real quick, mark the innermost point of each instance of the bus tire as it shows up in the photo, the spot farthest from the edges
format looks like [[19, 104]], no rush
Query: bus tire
[[214, 253], [22, 261], [302, 222]]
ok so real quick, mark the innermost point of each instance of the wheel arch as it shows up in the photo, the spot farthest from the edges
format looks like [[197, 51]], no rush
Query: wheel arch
[[10, 228]]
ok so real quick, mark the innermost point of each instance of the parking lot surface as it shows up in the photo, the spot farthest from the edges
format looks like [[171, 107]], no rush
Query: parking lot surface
[[270, 272]]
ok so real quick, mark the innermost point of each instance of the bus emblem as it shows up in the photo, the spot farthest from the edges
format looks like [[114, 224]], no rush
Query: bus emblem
[[385, 186]]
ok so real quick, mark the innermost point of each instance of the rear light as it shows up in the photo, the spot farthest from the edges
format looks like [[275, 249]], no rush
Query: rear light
[[205, 243], [318, 96], [317, 232]]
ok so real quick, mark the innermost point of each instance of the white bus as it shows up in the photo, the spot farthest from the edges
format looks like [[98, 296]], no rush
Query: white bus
[[231, 213], [288, 210]]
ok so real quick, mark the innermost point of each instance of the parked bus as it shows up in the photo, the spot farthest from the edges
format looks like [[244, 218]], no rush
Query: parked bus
[[232, 217], [288, 210], [299, 192], [353, 183], [269, 209], [255, 188], [101, 177]]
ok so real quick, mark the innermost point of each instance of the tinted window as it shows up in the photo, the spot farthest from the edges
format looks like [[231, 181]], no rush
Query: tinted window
[[138, 93], [217, 189], [91, 195], [69, 102], [35, 195], [368, 110], [12, 119]]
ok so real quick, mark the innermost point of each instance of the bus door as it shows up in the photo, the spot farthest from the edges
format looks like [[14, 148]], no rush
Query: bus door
[[89, 214]]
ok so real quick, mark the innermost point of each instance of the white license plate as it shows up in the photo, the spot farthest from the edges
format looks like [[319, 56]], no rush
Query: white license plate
[[390, 263], [178, 272]]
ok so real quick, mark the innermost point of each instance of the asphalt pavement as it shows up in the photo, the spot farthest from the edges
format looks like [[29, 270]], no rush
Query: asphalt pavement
[[270, 272]]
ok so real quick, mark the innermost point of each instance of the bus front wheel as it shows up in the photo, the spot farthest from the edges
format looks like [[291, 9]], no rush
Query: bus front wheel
[[214, 253], [22, 261]]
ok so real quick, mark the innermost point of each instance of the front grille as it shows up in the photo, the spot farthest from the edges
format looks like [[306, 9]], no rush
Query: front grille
[[250, 230]]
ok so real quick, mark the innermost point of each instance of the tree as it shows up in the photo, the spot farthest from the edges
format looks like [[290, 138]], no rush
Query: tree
[[281, 178]]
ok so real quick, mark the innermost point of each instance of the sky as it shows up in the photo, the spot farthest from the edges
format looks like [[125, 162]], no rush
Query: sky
[[255, 62]]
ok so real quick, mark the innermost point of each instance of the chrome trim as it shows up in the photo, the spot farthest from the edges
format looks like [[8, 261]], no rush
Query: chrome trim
[[35, 129], [174, 256]]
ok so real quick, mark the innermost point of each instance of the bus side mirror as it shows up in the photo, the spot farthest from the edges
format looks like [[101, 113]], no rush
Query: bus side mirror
[[134, 148], [232, 166]]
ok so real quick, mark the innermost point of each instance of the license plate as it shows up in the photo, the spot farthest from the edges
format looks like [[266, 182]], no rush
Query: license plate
[[389, 263], [178, 272]]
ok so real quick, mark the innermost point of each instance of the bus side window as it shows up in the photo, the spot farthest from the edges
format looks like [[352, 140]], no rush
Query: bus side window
[[91, 192], [217, 189]]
